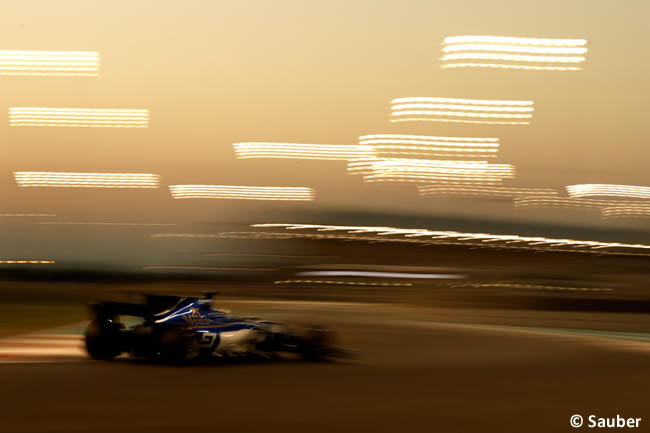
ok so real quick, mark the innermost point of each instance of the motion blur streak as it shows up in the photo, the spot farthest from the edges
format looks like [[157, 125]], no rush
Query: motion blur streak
[[509, 53], [514, 41], [540, 287], [477, 191], [476, 110], [459, 114], [27, 215], [508, 109], [208, 268], [626, 211], [570, 202], [79, 117], [86, 180], [509, 66], [302, 151], [452, 238], [49, 63], [484, 122], [349, 283], [593, 189], [480, 237], [434, 165], [270, 255], [378, 274], [490, 102], [241, 192], [93, 223], [513, 57], [514, 48], [426, 139], [27, 262], [427, 170], [431, 146], [430, 179]]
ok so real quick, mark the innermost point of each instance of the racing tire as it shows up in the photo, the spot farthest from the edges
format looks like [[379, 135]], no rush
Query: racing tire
[[102, 340], [318, 343]]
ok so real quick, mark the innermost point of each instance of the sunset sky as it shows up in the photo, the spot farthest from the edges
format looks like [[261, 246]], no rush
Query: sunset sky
[[213, 73]]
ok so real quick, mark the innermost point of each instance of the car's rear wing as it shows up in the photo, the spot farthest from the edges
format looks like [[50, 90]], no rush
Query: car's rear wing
[[154, 304], [108, 310]]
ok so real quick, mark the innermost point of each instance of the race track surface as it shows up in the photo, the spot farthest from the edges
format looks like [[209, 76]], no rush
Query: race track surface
[[419, 371]]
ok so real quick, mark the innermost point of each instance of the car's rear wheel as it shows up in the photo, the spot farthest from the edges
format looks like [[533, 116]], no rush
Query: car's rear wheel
[[102, 340], [318, 343]]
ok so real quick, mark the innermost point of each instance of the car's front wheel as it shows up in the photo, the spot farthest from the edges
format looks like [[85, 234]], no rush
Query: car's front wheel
[[318, 342]]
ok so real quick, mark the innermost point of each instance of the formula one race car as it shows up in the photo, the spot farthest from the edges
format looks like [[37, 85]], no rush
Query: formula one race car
[[174, 329]]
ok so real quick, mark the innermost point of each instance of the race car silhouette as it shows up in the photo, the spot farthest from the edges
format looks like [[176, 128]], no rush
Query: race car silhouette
[[175, 328]]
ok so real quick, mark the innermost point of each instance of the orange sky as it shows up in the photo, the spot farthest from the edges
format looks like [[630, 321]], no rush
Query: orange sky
[[213, 73]]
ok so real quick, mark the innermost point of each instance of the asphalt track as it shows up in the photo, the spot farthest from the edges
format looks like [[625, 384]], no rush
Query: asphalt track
[[420, 370]]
